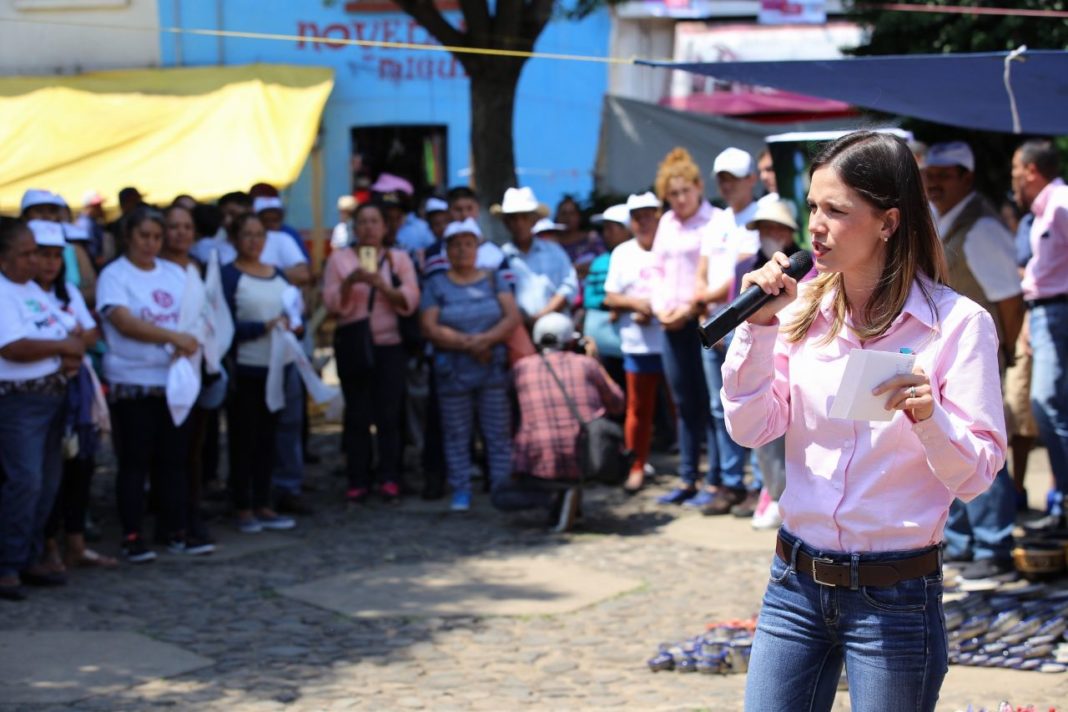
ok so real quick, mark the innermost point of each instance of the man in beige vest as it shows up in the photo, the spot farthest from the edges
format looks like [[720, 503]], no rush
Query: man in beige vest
[[982, 266]]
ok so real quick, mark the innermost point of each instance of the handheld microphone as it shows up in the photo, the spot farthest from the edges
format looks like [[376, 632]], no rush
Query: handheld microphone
[[748, 303]]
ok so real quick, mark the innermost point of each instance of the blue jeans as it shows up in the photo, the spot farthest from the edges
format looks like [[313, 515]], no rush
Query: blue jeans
[[984, 525], [289, 450], [727, 460], [682, 369], [892, 641], [1049, 390], [31, 430]]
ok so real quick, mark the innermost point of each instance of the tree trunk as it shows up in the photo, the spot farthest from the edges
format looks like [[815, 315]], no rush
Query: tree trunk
[[493, 87]]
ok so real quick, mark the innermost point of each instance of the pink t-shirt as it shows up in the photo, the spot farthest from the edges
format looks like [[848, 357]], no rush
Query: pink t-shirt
[[857, 486], [677, 247], [1046, 274], [351, 306]]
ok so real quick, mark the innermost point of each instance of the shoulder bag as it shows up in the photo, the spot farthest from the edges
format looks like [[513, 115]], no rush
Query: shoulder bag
[[601, 446]]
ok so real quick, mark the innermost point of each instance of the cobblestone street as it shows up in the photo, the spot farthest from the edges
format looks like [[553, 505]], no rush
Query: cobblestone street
[[254, 643]]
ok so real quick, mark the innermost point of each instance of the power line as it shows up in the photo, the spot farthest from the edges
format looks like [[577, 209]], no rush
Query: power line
[[334, 42], [965, 10]]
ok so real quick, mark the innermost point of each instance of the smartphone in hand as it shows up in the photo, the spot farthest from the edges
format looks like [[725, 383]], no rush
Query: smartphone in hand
[[366, 255]]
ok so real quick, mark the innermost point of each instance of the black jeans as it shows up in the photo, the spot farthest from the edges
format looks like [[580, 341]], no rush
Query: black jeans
[[252, 437], [72, 502], [146, 440], [374, 396]]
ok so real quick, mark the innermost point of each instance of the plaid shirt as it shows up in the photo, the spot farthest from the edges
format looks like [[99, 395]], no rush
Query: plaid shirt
[[545, 445]]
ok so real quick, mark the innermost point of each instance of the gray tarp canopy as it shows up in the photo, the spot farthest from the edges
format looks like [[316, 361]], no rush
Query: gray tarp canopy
[[967, 90], [635, 137]]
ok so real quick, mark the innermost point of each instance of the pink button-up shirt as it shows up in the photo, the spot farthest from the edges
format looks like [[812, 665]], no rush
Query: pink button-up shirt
[[1046, 274], [859, 486], [677, 247]]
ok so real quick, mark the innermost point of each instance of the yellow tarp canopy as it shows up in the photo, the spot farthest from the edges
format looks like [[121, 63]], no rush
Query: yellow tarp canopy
[[203, 131]]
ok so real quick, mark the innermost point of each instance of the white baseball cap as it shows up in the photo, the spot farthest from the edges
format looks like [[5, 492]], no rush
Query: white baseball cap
[[553, 329], [468, 226], [951, 153], [75, 232], [346, 202], [617, 214], [35, 196], [47, 233], [435, 205], [267, 202], [734, 161], [547, 225], [645, 200]]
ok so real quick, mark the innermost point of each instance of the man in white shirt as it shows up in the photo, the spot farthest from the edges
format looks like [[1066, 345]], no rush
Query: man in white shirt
[[728, 241], [980, 253]]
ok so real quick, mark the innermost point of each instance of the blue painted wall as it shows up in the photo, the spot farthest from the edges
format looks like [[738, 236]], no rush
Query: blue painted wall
[[558, 108]]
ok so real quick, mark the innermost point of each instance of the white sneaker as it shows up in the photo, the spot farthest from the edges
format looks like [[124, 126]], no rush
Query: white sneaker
[[769, 518]]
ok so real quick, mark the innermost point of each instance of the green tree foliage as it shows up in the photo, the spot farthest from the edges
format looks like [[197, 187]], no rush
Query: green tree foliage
[[895, 32]]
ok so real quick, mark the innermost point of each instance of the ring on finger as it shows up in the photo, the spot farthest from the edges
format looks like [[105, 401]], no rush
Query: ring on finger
[[912, 391]]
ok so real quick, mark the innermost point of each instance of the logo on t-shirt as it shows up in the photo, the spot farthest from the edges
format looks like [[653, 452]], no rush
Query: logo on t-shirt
[[164, 299]]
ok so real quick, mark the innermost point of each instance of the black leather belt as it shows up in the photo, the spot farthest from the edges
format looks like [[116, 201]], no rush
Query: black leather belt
[[1055, 299], [828, 572]]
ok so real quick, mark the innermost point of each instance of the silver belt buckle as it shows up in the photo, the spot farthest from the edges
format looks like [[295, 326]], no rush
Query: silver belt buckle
[[815, 576]]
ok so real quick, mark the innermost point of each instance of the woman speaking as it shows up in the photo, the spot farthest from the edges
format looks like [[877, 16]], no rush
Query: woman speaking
[[857, 576]]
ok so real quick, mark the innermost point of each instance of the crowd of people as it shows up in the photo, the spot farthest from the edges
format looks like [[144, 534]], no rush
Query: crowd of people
[[471, 351]]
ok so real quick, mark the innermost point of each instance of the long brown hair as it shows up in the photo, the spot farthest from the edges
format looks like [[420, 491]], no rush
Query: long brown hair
[[882, 170]]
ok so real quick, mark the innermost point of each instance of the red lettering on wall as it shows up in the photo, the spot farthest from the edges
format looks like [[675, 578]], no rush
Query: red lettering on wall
[[418, 67]]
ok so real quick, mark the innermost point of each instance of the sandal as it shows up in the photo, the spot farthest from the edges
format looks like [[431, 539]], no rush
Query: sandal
[[635, 482], [89, 559]]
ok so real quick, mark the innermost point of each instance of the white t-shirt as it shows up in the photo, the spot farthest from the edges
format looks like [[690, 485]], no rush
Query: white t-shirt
[[989, 250], [281, 251], [153, 295], [631, 273], [729, 226], [26, 312], [75, 308]]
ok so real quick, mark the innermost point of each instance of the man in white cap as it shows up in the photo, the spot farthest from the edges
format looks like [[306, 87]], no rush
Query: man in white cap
[[281, 249], [436, 212], [600, 323], [546, 446], [342, 234], [980, 254], [545, 280], [728, 240]]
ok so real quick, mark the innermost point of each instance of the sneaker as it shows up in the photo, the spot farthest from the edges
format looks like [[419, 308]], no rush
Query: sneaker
[[1044, 524], [677, 495], [250, 525], [701, 499], [569, 507], [195, 546], [276, 522], [461, 502], [390, 492], [988, 571], [357, 495], [191, 546], [748, 506], [723, 502], [135, 551], [769, 518]]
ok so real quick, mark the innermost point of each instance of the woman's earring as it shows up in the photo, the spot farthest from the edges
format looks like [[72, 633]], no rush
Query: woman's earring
[[886, 238]]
